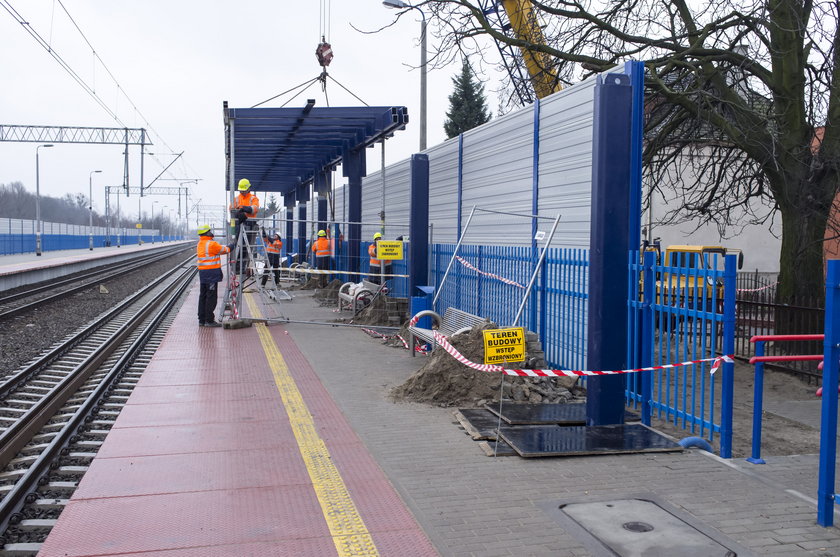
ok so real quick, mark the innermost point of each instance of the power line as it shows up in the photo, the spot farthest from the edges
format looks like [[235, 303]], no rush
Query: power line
[[46, 45]]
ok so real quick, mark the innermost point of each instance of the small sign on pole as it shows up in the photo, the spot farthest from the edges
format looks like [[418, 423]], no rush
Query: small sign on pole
[[138, 225], [389, 250], [504, 345]]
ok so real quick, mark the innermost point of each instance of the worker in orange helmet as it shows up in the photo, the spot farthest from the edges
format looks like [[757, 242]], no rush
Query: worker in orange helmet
[[322, 251], [209, 253]]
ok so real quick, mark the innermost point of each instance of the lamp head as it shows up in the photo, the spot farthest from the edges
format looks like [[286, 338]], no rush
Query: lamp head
[[396, 4]]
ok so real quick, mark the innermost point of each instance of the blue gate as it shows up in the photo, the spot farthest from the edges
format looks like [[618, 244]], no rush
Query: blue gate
[[683, 311]]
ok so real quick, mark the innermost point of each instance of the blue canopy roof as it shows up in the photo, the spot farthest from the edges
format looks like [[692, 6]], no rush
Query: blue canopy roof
[[280, 149]]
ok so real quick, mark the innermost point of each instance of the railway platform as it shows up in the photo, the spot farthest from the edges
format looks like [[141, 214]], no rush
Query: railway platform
[[28, 268], [282, 440]]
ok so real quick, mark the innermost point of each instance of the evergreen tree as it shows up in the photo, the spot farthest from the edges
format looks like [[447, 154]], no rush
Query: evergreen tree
[[467, 104]]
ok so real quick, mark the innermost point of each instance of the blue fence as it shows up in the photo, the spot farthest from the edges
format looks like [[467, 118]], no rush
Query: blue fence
[[681, 313], [18, 236], [556, 308]]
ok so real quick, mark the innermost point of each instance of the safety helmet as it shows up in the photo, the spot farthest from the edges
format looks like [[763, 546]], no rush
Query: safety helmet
[[205, 229], [377, 236], [321, 233], [244, 184]]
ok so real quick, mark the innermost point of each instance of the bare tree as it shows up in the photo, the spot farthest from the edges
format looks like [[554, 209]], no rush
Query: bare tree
[[743, 91]]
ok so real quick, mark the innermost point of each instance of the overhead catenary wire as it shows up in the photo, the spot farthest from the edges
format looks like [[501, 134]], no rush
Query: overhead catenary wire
[[46, 44]]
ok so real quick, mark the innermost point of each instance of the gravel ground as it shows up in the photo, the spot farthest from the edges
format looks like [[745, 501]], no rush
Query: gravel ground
[[25, 337]]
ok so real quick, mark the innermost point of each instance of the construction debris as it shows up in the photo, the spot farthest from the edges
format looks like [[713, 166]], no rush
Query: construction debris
[[444, 381]]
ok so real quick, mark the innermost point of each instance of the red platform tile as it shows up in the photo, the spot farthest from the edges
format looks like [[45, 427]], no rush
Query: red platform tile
[[181, 473], [185, 520], [210, 437], [175, 394], [310, 547], [202, 412], [380, 506]]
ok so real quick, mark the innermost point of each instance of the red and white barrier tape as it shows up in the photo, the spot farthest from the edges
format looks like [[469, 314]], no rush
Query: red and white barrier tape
[[373, 333], [444, 343], [758, 289], [466, 264]]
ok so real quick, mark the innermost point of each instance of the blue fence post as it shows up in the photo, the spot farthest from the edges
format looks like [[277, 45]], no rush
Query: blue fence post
[[828, 419], [646, 357], [758, 406], [730, 275]]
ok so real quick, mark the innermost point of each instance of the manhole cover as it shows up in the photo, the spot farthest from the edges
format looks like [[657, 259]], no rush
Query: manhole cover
[[655, 533], [637, 526]]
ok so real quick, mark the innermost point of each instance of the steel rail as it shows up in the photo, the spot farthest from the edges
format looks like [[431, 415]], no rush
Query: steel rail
[[23, 490], [82, 276], [13, 381], [111, 274]]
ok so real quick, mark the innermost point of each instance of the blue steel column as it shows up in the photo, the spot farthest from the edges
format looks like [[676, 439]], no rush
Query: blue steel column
[[288, 246], [460, 183], [828, 417], [730, 274], [418, 228], [535, 210], [301, 233], [609, 244], [353, 168]]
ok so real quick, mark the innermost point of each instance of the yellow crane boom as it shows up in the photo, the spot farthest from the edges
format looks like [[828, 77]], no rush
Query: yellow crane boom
[[524, 24]]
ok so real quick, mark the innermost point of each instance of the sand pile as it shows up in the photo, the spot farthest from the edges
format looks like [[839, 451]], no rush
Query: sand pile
[[329, 293], [444, 381]]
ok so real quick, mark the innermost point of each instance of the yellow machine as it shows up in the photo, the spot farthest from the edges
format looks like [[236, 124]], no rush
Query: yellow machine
[[524, 24]]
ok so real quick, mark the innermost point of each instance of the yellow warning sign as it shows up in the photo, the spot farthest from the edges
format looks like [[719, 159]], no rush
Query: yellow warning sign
[[139, 225], [504, 345], [389, 250]]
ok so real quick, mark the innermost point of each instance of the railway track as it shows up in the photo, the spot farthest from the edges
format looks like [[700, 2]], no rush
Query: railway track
[[56, 411], [29, 298]]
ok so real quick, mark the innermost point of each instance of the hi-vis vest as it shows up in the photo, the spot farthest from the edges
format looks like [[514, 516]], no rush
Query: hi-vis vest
[[274, 247], [209, 254], [249, 200], [372, 253], [321, 247]]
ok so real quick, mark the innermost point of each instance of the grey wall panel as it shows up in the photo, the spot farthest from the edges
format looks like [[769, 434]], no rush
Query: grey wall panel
[[565, 171], [498, 174], [443, 191]]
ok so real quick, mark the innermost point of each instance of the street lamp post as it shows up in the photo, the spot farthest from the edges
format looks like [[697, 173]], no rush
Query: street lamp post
[[153, 222], [90, 208], [399, 4], [38, 200]]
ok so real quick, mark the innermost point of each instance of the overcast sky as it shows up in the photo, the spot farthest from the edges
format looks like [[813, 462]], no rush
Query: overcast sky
[[178, 61]]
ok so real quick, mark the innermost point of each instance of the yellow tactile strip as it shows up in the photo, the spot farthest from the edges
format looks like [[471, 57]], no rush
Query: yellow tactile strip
[[348, 530]]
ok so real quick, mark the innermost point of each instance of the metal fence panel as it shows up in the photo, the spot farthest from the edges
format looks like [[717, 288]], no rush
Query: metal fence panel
[[498, 165], [565, 167]]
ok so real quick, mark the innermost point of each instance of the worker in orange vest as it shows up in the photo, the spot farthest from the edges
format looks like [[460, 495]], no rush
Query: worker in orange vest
[[273, 245], [209, 253], [321, 249], [244, 209], [375, 264]]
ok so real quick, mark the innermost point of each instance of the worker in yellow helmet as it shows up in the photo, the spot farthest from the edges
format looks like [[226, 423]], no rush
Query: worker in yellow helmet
[[244, 209], [375, 264], [209, 253], [323, 253]]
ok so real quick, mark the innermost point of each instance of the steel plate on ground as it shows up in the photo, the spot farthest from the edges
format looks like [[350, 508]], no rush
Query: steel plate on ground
[[529, 413], [554, 440], [478, 422]]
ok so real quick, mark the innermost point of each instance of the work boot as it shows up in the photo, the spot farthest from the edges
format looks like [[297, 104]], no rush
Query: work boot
[[213, 324]]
